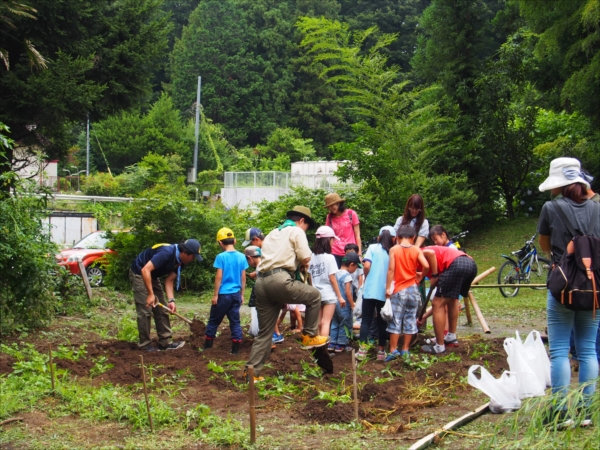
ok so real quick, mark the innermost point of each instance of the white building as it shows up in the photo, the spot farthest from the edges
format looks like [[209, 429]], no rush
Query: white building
[[41, 171], [243, 189]]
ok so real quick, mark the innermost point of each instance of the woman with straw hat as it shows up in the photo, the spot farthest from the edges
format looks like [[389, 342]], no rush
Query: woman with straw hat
[[567, 181], [345, 224]]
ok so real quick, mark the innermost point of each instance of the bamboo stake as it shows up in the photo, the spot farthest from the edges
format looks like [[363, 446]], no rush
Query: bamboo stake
[[252, 405], [480, 317], [355, 390], [468, 312], [51, 366], [482, 275], [146, 394], [86, 280]]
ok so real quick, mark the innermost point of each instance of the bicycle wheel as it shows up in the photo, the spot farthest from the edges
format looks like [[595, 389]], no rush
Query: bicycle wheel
[[508, 274], [539, 271]]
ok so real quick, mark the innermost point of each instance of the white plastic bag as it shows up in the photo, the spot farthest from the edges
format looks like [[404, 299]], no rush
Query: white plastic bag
[[387, 313], [503, 392], [530, 384], [253, 330], [358, 305], [537, 356]]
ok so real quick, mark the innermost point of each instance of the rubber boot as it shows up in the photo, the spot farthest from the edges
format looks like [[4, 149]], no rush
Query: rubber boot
[[208, 343], [235, 348]]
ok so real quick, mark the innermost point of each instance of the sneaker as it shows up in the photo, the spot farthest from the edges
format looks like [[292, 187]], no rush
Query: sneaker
[[405, 354], [331, 347], [256, 379], [339, 348], [347, 348], [174, 345], [451, 342], [362, 352], [587, 421], [380, 355], [277, 338], [431, 349], [392, 356], [310, 342], [558, 420], [150, 348]]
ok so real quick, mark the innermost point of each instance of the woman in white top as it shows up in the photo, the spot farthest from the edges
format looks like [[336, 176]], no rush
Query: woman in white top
[[322, 268], [414, 215]]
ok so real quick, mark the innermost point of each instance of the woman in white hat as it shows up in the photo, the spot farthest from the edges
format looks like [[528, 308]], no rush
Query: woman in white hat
[[570, 185]]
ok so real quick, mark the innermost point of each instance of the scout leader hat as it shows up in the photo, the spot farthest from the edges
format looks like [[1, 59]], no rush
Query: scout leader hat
[[352, 258], [305, 213], [252, 233], [193, 246], [224, 233], [565, 171], [333, 199]]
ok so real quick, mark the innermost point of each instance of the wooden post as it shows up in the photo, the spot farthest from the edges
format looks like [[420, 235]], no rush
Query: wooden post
[[482, 275], [146, 393], [480, 317], [51, 366], [85, 278], [252, 406], [355, 389], [468, 312]]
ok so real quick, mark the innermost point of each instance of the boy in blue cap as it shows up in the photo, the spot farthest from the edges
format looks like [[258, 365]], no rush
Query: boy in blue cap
[[230, 283]]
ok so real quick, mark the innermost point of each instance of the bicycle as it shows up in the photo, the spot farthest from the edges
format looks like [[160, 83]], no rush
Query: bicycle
[[455, 239], [520, 271]]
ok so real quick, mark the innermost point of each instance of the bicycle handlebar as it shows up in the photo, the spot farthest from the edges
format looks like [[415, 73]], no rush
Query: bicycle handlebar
[[460, 235], [530, 241]]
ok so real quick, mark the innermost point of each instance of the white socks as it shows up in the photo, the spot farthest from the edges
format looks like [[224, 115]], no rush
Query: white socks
[[439, 348], [450, 337]]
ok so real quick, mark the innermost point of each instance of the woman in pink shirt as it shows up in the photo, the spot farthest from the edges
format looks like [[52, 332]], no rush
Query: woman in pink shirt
[[345, 224]]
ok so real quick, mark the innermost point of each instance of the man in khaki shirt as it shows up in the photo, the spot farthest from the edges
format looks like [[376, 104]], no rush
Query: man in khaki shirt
[[283, 250]]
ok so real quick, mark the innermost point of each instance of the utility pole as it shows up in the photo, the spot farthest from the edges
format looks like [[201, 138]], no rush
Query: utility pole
[[87, 148], [195, 174]]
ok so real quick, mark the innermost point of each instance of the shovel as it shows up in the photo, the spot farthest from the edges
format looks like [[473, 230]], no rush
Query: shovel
[[415, 337], [160, 305]]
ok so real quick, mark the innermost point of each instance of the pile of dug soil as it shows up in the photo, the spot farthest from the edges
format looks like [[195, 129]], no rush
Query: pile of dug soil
[[198, 329]]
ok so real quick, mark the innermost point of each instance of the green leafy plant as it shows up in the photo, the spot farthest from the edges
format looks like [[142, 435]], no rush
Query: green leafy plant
[[101, 365]]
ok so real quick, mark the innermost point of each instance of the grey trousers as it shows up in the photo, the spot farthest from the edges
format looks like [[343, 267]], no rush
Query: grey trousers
[[161, 317], [271, 294]]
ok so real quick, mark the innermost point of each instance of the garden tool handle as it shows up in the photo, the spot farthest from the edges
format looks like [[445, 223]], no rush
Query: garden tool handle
[[159, 304]]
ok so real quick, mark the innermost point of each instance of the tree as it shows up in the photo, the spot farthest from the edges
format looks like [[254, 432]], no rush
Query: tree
[[568, 52], [243, 50], [101, 56], [9, 9]]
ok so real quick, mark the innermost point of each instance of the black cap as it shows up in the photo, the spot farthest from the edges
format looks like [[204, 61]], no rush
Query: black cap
[[352, 257], [193, 246]]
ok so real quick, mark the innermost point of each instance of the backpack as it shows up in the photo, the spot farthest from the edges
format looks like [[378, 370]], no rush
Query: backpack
[[575, 280]]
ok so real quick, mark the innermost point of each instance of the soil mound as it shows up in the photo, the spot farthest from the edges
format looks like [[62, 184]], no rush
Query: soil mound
[[198, 329], [319, 411]]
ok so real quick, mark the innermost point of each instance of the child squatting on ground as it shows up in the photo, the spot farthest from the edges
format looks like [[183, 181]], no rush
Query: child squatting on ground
[[405, 257], [230, 283], [341, 325]]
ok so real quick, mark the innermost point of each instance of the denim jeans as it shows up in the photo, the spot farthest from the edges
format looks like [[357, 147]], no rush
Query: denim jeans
[[369, 307], [574, 350], [227, 305], [561, 321], [341, 325]]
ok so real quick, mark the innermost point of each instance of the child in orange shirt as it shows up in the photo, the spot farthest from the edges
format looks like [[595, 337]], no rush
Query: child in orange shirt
[[402, 270]]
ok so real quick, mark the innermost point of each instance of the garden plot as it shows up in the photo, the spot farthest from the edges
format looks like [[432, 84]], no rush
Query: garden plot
[[402, 399]]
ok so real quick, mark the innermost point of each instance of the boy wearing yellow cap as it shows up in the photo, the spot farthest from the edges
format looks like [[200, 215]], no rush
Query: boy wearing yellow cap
[[230, 283]]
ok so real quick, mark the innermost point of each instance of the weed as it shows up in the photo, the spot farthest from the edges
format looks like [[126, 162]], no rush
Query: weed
[[310, 370], [127, 329], [213, 430], [482, 350], [101, 365], [214, 367], [70, 353], [333, 398]]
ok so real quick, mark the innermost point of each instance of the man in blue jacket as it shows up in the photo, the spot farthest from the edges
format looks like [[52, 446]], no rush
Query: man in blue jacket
[[145, 273]]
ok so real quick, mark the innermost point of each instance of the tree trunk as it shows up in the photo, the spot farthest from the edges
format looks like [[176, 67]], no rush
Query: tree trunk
[[510, 211]]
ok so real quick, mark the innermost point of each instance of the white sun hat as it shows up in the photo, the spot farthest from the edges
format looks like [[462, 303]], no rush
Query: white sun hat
[[326, 232], [565, 171]]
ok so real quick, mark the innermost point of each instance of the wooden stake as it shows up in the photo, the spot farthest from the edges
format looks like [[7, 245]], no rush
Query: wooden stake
[[354, 388], [85, 278], [146, 394], [480, 317], [252, 406], [51, 366], [468, 312], [482, 275]]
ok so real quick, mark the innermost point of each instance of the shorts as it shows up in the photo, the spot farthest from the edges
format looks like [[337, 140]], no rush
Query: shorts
[[456, 280], [331, 301], [405, 304], [293, 307]]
